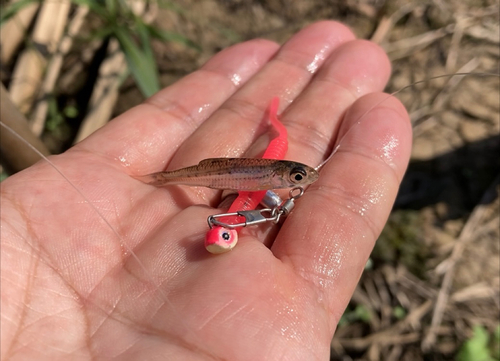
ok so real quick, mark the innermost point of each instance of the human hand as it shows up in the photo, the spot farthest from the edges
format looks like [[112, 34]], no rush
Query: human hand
[[143, 287]]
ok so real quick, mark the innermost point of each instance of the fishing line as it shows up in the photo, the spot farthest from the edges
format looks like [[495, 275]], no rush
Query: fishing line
[[358, 122], [95, 209]]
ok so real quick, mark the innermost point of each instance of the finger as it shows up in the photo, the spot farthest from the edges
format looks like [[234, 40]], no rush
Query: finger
[[146, 137], [230, 131], [328, 237], [354, 69]]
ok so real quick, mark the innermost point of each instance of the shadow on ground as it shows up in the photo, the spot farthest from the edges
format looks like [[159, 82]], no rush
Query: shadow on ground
[[457, 179]]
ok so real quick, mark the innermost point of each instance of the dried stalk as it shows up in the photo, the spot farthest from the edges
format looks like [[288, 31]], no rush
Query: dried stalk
[[14, 30], [105, 92], [386, 24], [13, 149], [111, 73], [53, 71], [28, 72]]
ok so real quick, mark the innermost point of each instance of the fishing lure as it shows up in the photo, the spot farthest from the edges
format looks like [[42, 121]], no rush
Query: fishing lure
[[222, 236]]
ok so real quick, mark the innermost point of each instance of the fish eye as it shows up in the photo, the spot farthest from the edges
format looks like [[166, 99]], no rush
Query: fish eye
[[226, 236], [297, 174]]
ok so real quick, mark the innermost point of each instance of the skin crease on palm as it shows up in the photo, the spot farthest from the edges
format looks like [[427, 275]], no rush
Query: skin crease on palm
[[74, 290]]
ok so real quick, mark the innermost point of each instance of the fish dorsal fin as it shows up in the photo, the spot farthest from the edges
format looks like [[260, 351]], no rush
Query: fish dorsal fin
[[209, 161], [216, 162], [234, 162]]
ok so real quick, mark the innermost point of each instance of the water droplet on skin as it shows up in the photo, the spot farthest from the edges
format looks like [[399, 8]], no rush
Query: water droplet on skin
[[389, 149], [236, 79], [203, 108], [314, 65], [361, 210], [375, 195], [289, 330], [123, 160]]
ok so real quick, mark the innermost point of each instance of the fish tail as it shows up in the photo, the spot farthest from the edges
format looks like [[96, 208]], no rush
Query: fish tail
[[158, 179]]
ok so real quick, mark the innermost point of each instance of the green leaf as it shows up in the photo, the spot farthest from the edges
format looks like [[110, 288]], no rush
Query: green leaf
[[170, 5], [70, 111], [141, 63], [54, 118], [111, 7], [143, 33], [3, 175], [399, 312], [99, 34], [229, 34], [362, 313], [94, 6], [13, 9], [165, 35], [496, 344], [476, 348]]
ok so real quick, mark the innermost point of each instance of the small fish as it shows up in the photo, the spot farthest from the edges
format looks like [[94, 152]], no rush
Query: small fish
[[242, 174]]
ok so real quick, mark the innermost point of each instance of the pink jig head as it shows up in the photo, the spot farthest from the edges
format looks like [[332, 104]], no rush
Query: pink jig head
[[220, 239]]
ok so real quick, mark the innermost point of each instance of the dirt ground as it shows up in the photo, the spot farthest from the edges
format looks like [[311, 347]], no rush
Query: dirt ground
[[434, 274]]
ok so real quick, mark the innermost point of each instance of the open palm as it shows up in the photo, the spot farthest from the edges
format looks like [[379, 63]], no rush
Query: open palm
[[142, 286]]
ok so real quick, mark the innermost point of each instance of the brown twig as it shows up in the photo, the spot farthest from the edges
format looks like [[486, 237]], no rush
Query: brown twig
[[382, 338], [392, 335], [485, 31], [474, 292], [385, 298], [405, 47], [386, 24], [451, 60], [454, 81], [440, 100]]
